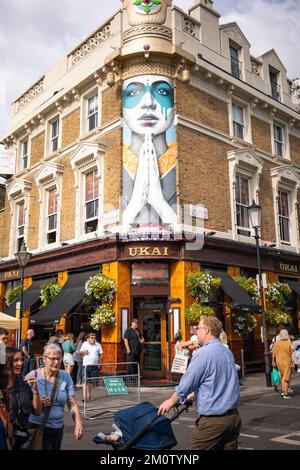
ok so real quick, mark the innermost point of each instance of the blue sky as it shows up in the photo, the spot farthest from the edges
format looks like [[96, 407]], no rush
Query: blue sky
[[34, 34]]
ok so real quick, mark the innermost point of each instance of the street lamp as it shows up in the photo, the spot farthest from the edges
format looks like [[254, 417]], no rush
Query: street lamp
[[254, 212], [22, 256]]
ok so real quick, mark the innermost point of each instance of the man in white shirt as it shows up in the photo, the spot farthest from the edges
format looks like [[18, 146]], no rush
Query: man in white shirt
[[91, 351]]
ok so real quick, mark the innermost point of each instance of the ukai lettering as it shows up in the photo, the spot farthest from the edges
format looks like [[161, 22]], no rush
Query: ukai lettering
[[148, 251]]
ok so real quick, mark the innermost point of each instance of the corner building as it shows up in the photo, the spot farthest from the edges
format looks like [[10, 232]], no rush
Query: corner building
[[158, 121]]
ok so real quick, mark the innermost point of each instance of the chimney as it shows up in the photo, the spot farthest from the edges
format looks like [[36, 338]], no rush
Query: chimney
[[204, 12]]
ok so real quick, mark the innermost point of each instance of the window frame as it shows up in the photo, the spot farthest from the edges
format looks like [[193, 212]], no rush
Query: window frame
[[84, 120], [247, 125], [241, 228], [238, 63], [20, 238], [285, 140], [50, 138], [282, 218], [88, 220], [49, 232]]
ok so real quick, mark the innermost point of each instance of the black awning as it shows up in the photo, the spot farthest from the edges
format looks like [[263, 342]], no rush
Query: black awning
[[71, 293], [294, 285], [240, 298], [30, 297]]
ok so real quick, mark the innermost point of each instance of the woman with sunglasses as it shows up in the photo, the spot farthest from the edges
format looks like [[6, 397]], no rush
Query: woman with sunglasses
[[51, 377]]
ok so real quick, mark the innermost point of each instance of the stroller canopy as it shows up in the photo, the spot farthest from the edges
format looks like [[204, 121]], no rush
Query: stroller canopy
[[158, 437]]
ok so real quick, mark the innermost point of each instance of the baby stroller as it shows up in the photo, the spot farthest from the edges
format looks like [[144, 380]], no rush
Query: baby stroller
[[143, 429]]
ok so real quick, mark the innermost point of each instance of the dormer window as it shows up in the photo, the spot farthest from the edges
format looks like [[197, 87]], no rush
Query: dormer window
[[275, 87], [236, 64]]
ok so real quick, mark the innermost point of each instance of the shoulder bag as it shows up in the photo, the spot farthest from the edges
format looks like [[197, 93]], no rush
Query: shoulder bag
[[35, 440]]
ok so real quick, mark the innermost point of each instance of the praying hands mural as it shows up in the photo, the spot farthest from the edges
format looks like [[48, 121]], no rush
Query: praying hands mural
[[149, 153]]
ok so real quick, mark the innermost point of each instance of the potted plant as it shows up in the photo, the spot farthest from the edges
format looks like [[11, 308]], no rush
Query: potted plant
[[278, 294], [12, 295], [249, 285], [196, 310], [202, 285], [48, 292], [102, 317], [101, 287], [277, 317], [243, 323]]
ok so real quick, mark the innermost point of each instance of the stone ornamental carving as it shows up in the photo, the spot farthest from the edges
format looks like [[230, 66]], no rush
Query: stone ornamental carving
[[30, 95], [189, 27], [255, 67], [92, 43], [155, 65], [149, 30], [146, 11]]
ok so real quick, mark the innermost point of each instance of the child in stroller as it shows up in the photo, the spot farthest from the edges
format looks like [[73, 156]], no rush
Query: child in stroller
[[139, 427]]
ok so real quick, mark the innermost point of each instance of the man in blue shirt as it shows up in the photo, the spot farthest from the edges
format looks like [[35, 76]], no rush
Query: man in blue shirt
[[212, 380]]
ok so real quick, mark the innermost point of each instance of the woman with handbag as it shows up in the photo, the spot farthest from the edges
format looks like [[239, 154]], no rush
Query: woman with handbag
[[282, 359], [25, 397], [56, 389]]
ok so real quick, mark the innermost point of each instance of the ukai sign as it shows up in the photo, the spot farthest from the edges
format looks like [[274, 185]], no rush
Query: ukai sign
[[147, 252]]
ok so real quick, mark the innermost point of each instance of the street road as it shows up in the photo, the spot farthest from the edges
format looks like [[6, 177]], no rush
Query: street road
[[268, 421]]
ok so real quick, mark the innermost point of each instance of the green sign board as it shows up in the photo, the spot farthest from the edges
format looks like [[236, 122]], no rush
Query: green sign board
[[115, 386]]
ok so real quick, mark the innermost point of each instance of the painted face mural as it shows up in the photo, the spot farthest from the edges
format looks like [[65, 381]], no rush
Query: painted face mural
[[148, 102], [149, 152]]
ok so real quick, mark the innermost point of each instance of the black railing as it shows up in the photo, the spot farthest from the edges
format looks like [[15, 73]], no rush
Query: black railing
[[236, 68], [275, 91]]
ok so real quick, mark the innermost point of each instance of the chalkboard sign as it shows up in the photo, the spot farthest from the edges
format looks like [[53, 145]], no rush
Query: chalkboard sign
[[40, 362]]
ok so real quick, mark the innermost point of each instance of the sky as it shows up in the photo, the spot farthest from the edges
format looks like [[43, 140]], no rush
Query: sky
[[35, 34]]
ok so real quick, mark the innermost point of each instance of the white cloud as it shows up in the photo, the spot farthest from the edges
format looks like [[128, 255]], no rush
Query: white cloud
[[34, 34]]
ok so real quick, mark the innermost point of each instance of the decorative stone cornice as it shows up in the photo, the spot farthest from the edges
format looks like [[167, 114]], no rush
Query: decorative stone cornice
[[153, 65], [32, 93], [156, 31], [18, 187], [90, 44], [48, 172]]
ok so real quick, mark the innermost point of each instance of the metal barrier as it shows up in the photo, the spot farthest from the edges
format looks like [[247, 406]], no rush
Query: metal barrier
[[110, 394], [243, 364]]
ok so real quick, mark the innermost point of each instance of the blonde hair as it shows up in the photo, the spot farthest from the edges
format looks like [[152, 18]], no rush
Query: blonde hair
[[284, 334], [52, 347], [223, 337]]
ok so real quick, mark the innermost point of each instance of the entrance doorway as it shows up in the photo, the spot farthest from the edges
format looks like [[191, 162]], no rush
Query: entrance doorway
[[151, 313]]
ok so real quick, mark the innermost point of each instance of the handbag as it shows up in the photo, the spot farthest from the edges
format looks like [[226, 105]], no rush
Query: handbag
[[35, 435], [180, 364], [275, 376]]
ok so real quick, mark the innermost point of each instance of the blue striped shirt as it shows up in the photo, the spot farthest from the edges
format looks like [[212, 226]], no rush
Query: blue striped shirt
[[213, 377]]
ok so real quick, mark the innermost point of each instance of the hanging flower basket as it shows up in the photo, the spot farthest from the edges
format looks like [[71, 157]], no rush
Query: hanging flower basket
[[249, 285], [193, 314], [277, 317], [101, 287], [278, 294], [202, 285], [243, 323], [103, 317], [12, 295], [48, 292]]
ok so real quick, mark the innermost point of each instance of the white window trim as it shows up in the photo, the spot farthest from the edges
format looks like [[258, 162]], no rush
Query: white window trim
[[286, 144], [288, 192], [84, 109], [18, 190], [247, 119], [244, 162], [48, 177], [249, 177], [20, 153], [54, 117], [88, 156], [286, 178]]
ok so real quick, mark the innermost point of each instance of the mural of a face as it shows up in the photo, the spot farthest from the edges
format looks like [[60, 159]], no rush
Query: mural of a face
[[148, 104]]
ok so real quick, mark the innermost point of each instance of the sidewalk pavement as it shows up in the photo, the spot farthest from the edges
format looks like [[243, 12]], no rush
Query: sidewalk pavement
[[252, 385]]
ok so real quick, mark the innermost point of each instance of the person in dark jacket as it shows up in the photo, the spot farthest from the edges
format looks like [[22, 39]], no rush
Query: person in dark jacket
[[133, 341]]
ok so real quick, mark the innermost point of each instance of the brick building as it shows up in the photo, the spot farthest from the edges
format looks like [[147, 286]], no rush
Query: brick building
[[158, 116]]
